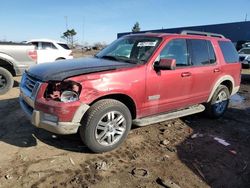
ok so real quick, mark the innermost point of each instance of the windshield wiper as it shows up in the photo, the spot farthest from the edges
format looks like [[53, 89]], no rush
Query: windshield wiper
[[109, 57], [137, 61], [116, 58], [123, 59]]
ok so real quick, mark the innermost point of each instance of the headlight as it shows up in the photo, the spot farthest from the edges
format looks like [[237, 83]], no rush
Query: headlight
[[69, 96], [248, 58], [65, 91]]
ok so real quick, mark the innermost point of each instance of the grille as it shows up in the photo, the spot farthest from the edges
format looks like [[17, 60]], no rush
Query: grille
[[242, 58], [30, 82]]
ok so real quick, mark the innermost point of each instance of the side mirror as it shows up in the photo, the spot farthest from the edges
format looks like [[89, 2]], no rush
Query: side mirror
[[165, 64]]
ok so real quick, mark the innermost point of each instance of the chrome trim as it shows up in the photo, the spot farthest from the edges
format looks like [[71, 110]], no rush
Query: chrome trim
[[29, 88], [25, 108], [26, 96], [35, 90]]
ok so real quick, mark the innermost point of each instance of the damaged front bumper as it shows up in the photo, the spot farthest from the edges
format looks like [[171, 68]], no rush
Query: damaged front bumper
[[50, 122], [29, 89]]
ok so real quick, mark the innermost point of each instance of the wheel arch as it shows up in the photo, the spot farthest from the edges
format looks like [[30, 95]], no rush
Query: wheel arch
[[123, 98], [60, 58], [6, 64], [225, 80]]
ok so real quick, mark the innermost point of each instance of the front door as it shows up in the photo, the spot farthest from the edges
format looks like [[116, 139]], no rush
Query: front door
[[168, 90]]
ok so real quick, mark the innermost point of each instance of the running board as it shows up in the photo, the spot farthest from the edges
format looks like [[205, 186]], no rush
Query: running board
[[171, 115]]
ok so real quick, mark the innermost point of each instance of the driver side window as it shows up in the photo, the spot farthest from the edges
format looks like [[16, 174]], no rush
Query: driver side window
[[176, 49]]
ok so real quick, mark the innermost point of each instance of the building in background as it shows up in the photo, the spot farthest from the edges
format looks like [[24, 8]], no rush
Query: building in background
[[237, 32]]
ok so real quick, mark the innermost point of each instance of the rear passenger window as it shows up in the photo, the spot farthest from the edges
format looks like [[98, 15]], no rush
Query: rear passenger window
[[176, 49], [35, 44], [48, 45], [229, 52], [201, 52]]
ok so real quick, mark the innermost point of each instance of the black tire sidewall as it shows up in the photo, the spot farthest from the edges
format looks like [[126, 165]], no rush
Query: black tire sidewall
[[87, 131], [213, 112], [9, 79]]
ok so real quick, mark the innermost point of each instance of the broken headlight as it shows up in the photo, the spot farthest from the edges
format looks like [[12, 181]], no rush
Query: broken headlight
[[66, 91], [69, 96]]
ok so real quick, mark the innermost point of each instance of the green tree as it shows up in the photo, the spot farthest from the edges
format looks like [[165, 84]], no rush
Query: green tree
[[69, 36], [136, 27]]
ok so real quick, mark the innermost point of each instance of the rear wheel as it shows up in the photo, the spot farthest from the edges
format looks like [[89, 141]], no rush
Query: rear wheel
[[6, 81], [60, 58], [219, 102], [105, 125]]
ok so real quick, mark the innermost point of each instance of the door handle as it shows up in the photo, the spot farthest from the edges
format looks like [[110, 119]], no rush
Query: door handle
[[186, 74], [216, 70]]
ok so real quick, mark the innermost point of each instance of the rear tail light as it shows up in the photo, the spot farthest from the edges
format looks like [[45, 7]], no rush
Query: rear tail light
[[71, 53], [33, 55]]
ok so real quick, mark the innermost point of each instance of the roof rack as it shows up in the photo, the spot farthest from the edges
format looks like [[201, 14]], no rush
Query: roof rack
[[189, 32]]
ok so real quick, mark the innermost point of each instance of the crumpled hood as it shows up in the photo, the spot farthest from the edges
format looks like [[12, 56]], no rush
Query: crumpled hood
[[60, 70]]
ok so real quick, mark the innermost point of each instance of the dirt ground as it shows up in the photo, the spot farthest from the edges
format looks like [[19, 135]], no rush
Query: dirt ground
[[189, 152]]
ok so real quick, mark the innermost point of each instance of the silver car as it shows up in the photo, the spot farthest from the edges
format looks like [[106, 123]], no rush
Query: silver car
[[244, 55]]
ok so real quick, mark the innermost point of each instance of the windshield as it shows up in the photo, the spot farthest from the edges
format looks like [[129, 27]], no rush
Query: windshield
[[245, 51], [131, 49]]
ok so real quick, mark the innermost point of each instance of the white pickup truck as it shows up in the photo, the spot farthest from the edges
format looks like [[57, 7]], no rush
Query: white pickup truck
[[15, 58]]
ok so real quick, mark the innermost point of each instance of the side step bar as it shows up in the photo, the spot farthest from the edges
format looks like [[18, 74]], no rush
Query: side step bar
[[167, 116]]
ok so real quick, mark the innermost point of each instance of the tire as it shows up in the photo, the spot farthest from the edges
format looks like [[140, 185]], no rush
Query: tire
[[6, 81], [105, 125], [60, 58], [219, 103], [246, 66]]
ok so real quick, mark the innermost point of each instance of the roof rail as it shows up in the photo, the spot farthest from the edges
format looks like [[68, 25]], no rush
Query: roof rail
[[189, 32]]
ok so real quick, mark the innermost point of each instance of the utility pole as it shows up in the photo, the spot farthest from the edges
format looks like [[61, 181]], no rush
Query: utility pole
[[4, 38], [66, 22], [246, 18], [66, 25], [83, 24]]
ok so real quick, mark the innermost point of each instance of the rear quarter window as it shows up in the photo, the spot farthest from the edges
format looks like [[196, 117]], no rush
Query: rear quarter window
[[48, 45], [65, 46], [229, 52]]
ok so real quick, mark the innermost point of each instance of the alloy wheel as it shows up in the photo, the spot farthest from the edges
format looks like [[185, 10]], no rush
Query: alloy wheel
[[3, 81], [110, 128], [221, 102]]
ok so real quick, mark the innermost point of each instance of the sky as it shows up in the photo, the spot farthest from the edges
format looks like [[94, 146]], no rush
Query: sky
[[101, 20]]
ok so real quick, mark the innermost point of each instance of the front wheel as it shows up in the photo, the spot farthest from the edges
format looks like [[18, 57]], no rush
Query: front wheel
[[219, 102], [105, 125], [6, 81]]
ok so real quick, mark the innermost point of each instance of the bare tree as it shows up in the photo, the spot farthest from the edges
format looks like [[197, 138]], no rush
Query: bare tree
[[136, 27], [69, 36]]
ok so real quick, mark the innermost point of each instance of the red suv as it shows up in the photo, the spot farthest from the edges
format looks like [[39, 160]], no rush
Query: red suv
[[140, 79]]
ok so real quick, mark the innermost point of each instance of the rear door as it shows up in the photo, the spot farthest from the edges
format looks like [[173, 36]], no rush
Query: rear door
[[205, 69], [47, 52]]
